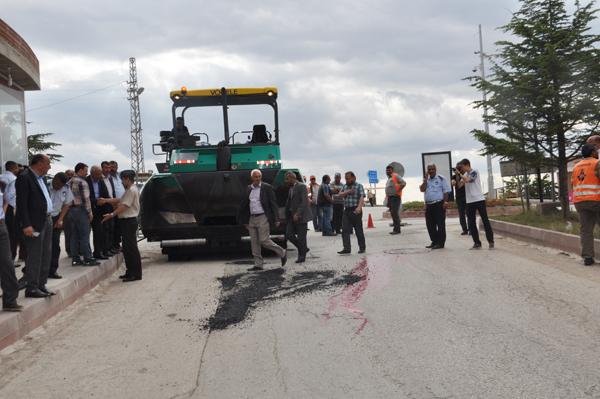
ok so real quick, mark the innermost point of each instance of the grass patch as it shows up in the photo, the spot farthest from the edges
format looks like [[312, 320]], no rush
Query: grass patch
[[550, 222]]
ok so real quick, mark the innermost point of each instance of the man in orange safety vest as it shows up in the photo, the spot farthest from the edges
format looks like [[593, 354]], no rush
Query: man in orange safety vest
[[393, 193], [586, 196]]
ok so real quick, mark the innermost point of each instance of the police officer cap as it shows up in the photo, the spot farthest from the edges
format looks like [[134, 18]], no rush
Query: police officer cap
[[128, 174]]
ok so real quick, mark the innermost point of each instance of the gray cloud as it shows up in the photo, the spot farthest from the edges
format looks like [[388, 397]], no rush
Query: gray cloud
[[361, 83]]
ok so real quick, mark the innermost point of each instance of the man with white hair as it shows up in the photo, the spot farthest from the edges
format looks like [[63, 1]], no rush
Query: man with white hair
[[258, 212]]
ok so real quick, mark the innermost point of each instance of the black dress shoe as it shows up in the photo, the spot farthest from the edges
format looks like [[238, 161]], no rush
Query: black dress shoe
[[476, 246], [437, 247], [284, 259], [91, 262], [588, 261], [47, 292], [22, 283], [76, 262], [430, 245], [122, 276], [12, 307], [362, 251], [102, 256], [301, 260], [344, 251], [464, 233], [394, 233], [131, 278], [255, 269], [35, 293], [55, 276]]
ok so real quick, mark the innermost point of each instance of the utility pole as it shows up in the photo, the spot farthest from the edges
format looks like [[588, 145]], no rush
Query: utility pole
[[133, 95], [491, 190]]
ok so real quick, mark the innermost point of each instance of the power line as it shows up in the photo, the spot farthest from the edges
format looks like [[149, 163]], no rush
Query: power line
[[73, 98]]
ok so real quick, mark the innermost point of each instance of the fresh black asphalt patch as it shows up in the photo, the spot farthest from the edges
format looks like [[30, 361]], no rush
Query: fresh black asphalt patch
[[241, 293]]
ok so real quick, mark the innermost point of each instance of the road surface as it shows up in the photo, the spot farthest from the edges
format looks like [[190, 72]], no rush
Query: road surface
[[401, 322]]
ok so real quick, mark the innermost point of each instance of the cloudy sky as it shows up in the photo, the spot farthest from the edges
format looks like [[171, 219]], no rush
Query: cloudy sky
[[360, 83]]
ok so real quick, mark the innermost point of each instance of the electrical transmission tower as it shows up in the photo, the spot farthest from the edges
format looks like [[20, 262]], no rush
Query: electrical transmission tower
[[133, 95]]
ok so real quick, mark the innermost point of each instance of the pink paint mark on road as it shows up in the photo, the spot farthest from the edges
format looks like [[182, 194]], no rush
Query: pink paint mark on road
[[350, 295]]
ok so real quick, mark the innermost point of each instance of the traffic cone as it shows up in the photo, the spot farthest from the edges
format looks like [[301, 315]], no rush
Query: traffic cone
[[370, 224]]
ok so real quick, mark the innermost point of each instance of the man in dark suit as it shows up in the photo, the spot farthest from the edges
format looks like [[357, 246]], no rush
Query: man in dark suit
[[33, 217], [298, 214], [98, 189], [258, 212]]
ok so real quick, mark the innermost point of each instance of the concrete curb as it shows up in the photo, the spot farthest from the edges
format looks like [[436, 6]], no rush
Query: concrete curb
[[563, 241], [76, 282], [453, 212]]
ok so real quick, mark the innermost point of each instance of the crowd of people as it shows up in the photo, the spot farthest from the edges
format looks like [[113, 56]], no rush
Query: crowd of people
[[34, 214], [332, 206], [336, 208], [97, 209]]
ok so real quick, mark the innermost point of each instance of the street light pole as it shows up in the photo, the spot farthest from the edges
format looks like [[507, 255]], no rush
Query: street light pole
[[491, 190]]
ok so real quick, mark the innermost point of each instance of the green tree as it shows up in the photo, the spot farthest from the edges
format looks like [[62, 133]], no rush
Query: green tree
[[515, 187], [544, 87], [37, 143]]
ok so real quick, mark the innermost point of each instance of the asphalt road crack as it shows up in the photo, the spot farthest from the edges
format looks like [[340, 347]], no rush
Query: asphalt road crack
[[275, 352]]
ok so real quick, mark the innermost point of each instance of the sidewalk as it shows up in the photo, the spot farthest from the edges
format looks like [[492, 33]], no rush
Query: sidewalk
[[76, 281]]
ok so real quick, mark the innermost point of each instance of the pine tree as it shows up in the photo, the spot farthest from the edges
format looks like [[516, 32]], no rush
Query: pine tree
[[544, 87], [36, 144]]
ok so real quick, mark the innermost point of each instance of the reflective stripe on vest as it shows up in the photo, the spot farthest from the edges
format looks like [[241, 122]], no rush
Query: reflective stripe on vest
[[586, 185]]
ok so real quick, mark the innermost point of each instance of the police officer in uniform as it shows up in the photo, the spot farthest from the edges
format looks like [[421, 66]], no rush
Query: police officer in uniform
[[436, 188], [586, 196]]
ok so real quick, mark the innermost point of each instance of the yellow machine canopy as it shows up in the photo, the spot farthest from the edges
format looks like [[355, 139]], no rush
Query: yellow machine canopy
[[223, 96]]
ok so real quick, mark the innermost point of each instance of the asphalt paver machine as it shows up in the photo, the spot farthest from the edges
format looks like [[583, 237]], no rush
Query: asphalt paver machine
[[195, 197]]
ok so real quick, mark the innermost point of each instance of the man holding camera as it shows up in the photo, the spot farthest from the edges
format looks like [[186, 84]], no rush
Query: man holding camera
[[461, 199], [475, 203]]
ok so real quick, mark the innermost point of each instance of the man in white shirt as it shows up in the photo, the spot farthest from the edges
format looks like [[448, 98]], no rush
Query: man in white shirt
[[109, 226], [313, 193], [258, 211], [475, 203], [127, 209], [119, 191], [62, 198], [7, 184], [8, 280]]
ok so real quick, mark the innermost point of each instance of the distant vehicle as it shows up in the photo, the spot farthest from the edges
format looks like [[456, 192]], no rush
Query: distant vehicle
[[200, 186]]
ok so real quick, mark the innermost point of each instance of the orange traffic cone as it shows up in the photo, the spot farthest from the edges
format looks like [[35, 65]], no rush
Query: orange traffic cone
[[370, 224]]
